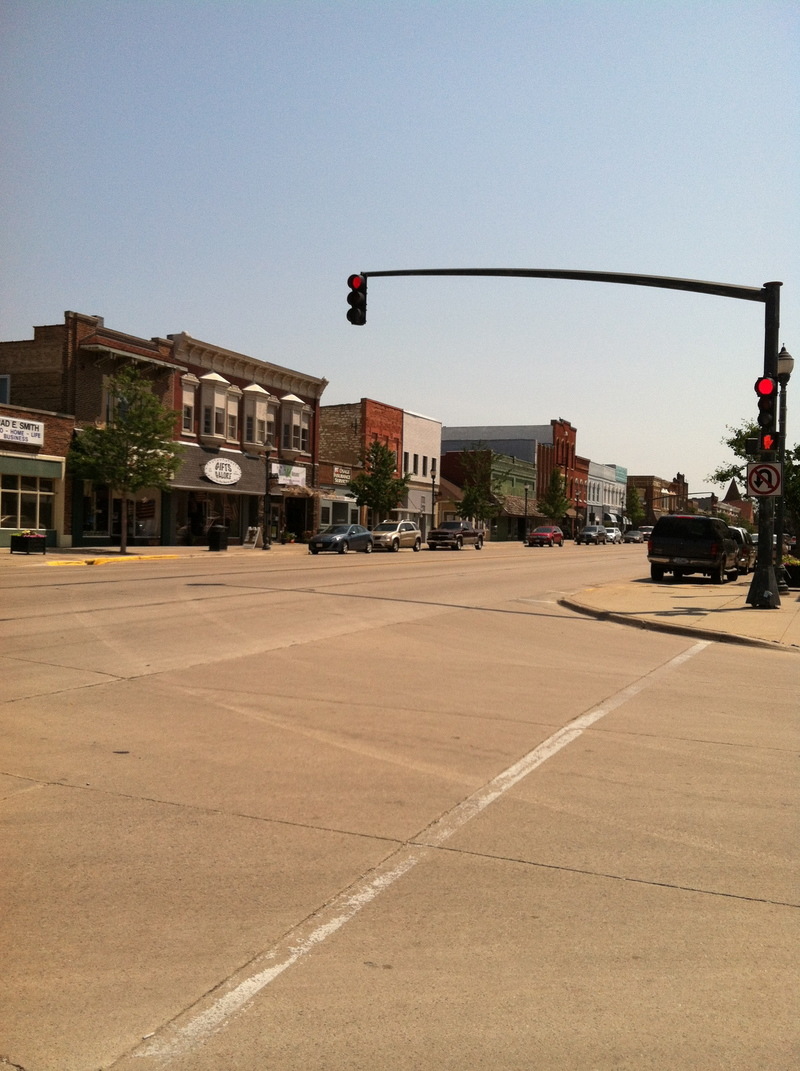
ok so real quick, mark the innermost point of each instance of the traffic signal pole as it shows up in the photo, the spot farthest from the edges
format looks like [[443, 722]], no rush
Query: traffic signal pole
[[763, 592]]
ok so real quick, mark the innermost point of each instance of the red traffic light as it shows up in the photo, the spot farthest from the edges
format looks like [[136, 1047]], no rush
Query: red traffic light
[[357, 300], [765, 386]]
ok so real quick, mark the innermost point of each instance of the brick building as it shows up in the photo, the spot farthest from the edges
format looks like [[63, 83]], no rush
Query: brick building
[[246, 426], [547, 446], [659, 496], [33, 452], [346, 433]]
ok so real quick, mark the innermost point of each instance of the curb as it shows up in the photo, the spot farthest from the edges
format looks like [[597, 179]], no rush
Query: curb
[[680, 630], [118, 561]]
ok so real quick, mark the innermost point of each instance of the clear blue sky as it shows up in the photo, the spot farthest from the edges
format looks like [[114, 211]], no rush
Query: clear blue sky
[[221, 168]]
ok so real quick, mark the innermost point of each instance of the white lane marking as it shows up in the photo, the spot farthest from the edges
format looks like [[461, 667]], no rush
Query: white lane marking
[[190, 1031]]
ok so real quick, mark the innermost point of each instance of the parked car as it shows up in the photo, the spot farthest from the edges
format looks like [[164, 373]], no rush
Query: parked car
[[745, 549], [454, 535], [646, 530], [546, 535], [591, 533], [341, 538], [690, 543], [392, 535], [633, 535], [613, 535]]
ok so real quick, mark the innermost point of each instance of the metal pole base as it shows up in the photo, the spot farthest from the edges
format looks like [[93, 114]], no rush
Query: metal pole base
[[763, 593]]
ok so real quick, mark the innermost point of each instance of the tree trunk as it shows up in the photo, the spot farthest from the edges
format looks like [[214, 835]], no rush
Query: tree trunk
[[123, 520]]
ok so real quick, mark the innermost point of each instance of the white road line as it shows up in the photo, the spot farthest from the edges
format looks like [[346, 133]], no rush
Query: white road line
[[196, 1026]]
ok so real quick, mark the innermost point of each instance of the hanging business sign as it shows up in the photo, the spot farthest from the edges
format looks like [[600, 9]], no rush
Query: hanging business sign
[[223, 471], [290, 475], [27, 432]]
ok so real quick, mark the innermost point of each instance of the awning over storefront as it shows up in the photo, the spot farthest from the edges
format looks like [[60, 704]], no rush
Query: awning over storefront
[[514, 506], [191, 474], [30, 466]]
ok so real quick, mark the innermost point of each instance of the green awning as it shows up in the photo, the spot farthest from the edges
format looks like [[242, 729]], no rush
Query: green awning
[[30, 466]]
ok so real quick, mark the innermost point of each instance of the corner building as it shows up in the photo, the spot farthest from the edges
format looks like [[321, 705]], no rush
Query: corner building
[[249, 429]]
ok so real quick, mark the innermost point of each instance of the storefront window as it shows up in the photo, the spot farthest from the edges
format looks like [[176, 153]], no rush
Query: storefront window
[[95, 509], [26, 502]]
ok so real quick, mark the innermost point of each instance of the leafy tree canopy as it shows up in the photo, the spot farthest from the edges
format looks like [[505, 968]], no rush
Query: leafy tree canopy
[[482, 481], [378, 487], [554, 503], [634, 510], [736, 441], [135, 449]]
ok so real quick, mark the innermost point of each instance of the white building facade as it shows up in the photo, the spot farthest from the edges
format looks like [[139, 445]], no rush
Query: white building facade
[[605, 496], [422, 443]]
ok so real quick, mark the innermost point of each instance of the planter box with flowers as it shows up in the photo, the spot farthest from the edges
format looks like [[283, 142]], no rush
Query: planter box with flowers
[[791, 568], [28, 542]]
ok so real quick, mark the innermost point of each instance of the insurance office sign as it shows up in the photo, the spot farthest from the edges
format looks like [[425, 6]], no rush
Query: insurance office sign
[[26, 432]]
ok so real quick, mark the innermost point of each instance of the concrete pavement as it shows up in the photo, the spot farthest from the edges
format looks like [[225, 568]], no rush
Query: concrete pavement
[[692, 607]]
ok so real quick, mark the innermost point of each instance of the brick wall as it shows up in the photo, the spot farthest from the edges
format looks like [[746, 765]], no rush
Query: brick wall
[[35, 368]]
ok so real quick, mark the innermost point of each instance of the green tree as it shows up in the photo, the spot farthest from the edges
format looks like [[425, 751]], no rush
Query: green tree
[[134, 450], [482, 480], [378, 487], [634, 510], [736, 441], [553, 504]]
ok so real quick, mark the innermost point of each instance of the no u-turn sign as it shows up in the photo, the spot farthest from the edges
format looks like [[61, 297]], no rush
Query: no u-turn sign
[[764, 478]]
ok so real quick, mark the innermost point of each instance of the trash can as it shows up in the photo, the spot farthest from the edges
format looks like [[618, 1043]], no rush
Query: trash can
[[217, 537]]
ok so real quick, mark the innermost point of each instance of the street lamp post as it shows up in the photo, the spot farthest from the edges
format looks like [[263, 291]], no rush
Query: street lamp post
[[433, 492], [785, 369], [525, 519], [266, 542]]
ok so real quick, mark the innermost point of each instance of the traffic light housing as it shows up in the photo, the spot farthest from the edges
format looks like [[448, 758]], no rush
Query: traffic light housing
[[357, 300], [767, 390]]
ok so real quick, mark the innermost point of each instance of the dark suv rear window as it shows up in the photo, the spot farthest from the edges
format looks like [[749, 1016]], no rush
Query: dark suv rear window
[[686, 528]]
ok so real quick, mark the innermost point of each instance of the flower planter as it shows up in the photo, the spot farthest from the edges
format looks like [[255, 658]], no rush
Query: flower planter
[[792, 573], [22, 544]]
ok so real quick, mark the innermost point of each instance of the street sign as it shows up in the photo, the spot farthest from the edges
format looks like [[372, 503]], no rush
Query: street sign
[[764, 478]]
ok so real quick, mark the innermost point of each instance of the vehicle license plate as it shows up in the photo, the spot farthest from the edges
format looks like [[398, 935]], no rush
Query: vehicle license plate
[[681, 561]]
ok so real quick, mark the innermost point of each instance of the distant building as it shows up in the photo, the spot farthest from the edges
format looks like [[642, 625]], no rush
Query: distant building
[[659, 496], [547, 446], [346, 434]]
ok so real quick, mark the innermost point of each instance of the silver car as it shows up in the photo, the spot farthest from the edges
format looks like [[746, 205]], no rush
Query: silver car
[[392, 535]]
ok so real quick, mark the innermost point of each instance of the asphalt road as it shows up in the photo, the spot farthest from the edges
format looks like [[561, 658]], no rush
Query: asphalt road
[[388, 812]]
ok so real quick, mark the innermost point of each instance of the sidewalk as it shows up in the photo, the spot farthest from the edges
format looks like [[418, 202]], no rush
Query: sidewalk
[[693, 607]]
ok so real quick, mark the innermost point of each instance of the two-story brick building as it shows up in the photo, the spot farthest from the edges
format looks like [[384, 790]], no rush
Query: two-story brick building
[[247, 427], [33, 452]]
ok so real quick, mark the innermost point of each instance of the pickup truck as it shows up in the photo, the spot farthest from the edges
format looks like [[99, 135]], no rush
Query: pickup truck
[[454, 535], [684, 544]]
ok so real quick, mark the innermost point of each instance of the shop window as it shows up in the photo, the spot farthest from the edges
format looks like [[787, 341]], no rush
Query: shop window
[[96, 511], [232, 400], [214, 402], [296, 425], [26, 502], [189, 385], [259, 419]]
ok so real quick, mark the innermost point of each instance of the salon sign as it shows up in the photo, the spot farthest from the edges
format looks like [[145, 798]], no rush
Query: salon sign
[[14, 430], [222, 470]]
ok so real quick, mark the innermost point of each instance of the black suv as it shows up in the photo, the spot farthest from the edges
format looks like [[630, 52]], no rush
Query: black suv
[[683, 544]]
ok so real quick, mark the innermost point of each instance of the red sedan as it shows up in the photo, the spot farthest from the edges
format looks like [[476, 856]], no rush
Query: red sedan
[[548, 535]]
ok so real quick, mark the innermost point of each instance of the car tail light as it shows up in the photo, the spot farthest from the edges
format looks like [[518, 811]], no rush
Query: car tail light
[[715, 549]]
